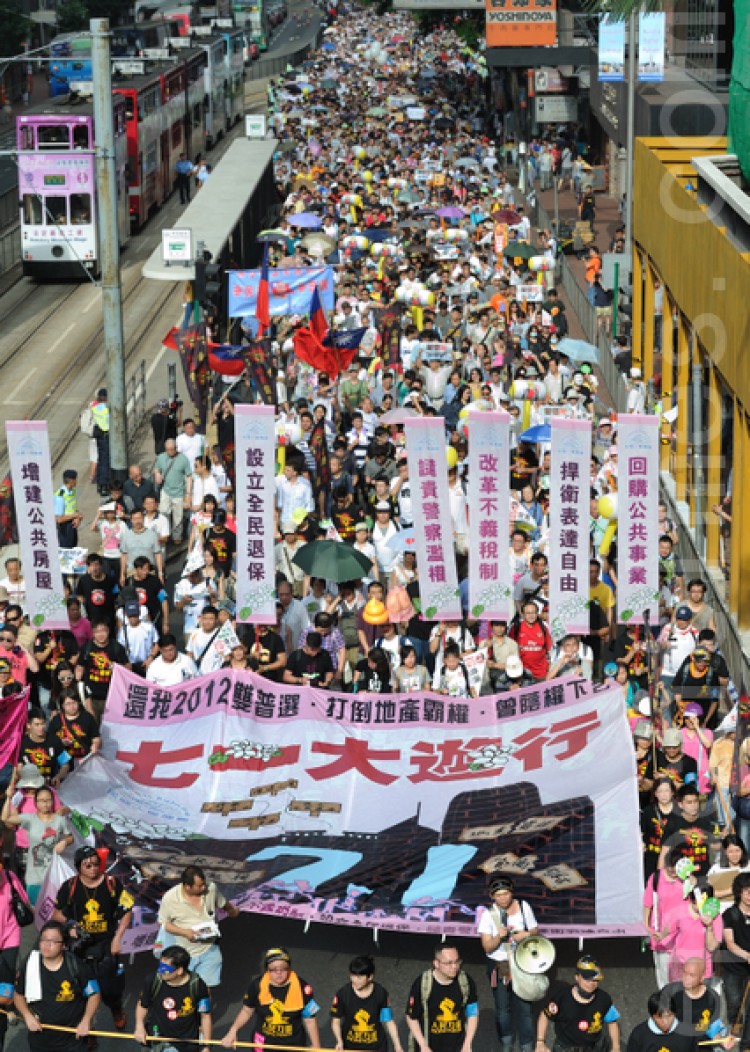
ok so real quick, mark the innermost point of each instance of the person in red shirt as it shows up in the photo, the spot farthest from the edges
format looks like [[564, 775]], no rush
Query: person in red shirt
[[21, 661], [534, 642]]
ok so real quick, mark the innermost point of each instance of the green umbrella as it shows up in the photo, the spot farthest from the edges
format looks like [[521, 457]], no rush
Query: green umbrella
[[520, 250], [333, 560]]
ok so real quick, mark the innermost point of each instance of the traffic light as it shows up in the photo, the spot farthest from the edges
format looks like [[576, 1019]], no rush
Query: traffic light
[[207, 286]]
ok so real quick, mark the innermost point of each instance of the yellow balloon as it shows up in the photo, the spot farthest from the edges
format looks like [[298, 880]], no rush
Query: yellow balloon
[[609, 536], [607, 506], [451, 456], [464, 413], [367, 176]]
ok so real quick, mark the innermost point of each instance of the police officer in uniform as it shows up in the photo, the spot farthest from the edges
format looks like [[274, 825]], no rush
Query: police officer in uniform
[[583, 1014], [100, 414], [67, 516]]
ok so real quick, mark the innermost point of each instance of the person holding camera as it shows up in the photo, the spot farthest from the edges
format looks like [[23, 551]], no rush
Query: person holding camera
[[54, 988], [97, 910]]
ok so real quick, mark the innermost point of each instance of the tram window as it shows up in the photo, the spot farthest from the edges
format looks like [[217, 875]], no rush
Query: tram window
[[80, 137], [176, 134], [56, 210], [80, 209], [32, 210], [27, 137], [150, 164], [53, 135]]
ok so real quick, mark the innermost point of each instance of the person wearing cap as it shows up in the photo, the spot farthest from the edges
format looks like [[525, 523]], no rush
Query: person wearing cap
[[97, 910], [187, 915], [698, 680], [676, 641], [284, 553], [67, 516], [643, 740], [174, 1004], [671, 761], [100, 416], [48, 833], [384, 530], [584, 1014], [500, 929], [636, 392], [280, 1003], [137, 637], [442, 1013]]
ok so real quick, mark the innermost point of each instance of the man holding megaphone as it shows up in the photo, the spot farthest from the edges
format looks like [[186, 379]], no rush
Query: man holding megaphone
[[508, 921]]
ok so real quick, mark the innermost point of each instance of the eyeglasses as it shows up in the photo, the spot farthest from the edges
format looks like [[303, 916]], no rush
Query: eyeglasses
[[66, 678], [7, 639], [51, 942], [17, 617]]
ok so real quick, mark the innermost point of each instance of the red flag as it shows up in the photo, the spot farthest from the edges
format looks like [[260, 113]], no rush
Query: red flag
[[318, 321], [263, 306]]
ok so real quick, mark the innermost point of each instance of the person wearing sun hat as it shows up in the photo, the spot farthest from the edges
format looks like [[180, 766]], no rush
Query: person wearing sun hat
[[280, 1003], [697, 679], [584, 1014], [677, 640]]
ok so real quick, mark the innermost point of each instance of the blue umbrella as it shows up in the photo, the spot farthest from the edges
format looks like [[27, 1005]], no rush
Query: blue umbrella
[[306, 220], [328, 46], [540, 433], [578, 350]]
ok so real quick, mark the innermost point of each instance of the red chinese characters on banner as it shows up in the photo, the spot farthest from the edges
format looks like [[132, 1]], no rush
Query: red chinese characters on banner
[[638, 528]]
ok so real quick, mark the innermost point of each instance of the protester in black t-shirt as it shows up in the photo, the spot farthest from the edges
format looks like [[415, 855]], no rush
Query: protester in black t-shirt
[[146, 587], [97, 590], [698, 680], [56, 989], [282, 1004], [174, 1004], [584, 1014], [222, 542], [75, 729], [43, 749], [671, 761], [97, 662], [442, 1011], [694, 832], [735, 962], [661, 1031], [696, 1005], [310, 666], [361, 1013], [268, 654]]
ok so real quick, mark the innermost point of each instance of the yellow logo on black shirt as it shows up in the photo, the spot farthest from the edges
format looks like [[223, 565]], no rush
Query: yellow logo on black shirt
[[187, 1007], [66, 992], [596, 1023], [93, 918], [276, 1023], [363, 1032], [447, 1021], [703, 1023]]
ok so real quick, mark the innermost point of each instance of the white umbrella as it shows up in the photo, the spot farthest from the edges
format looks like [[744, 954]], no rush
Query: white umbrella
[[403, 541], [397, 416]]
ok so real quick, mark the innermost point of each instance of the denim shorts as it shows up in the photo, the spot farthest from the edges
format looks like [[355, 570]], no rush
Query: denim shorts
[[208, 966]]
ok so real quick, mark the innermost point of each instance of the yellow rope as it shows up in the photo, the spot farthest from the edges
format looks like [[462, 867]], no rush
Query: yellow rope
[[186, 1040]]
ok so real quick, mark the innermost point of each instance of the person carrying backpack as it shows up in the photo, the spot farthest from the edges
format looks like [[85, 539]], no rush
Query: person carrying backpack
[[174, 1004], [55, 988], [442, 1013]]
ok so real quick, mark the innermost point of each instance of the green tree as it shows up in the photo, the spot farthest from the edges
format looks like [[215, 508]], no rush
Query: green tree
[[72, 15], [13, 28]]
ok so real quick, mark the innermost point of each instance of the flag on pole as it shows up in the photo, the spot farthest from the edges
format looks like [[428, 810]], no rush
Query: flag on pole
[[318, 323], [318, 446], [263, 303]]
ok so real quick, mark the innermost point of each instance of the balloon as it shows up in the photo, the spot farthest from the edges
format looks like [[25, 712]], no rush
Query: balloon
[[451, 456], [367, 176], [534, 390], [456, 233], [537, 263], [607, 506], [381, 249], [464, 413], [355, 241], [685, 868], [609, 536], [360, 153], [293, 432]]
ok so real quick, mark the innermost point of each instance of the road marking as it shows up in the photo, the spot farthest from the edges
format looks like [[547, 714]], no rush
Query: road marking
[[20, 401], [94, 301], [152, 368], [60, 338]]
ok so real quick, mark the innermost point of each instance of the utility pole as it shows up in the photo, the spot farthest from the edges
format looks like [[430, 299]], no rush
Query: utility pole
[[630, 133], [109, 246]]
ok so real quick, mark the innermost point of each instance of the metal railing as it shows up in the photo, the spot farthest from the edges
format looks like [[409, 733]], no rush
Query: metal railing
[[10, 248], [135, 405]]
